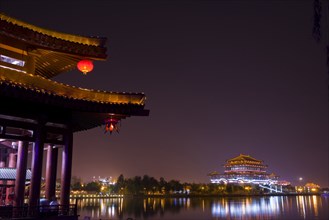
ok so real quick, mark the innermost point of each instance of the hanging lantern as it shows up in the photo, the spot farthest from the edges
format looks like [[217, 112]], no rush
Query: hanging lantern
[[85, 66], [111, 124]]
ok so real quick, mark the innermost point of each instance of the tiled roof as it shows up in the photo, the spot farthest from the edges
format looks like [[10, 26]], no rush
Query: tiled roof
[[90, 41], [85, 107], [53, 52], [46, 86], [244, 158], [10, 174]]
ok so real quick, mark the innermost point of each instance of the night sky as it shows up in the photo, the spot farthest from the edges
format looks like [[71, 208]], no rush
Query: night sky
[[221, 78]]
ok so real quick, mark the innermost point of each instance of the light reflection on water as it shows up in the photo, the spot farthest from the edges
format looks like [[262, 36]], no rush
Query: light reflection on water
[[271, 207], [266, 207]]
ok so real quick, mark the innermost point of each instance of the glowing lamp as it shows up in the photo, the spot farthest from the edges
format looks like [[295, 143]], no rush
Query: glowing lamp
[[85, 66], [111, 124]]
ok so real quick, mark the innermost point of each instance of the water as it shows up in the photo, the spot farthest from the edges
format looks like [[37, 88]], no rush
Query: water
[[260, 208]]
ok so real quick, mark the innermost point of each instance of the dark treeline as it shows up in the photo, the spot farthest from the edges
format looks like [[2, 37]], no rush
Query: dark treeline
[[137, 185], [147, 185]]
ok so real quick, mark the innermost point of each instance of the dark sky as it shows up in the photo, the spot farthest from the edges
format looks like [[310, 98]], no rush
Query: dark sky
[[221, 78]]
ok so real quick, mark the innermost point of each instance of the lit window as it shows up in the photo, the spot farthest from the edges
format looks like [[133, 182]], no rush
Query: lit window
[[11, 60]]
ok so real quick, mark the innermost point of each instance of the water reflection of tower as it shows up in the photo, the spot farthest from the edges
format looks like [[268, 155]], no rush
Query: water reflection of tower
[[247, 207]]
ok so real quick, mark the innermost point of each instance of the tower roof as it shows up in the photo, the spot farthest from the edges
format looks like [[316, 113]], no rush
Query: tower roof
[[243, 157]]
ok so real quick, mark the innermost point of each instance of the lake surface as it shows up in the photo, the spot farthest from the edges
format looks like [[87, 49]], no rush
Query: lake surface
[[262, 208]]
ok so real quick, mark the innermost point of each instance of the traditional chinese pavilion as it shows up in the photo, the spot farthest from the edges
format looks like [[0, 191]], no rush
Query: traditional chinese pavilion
[[244, 169], [38, 113]]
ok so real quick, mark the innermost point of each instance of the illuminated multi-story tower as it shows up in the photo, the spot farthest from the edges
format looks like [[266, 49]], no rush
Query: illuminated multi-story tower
[[244, 169]]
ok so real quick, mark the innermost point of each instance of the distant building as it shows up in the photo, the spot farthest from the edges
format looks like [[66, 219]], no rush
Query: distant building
[[106, 181], [244, 169]]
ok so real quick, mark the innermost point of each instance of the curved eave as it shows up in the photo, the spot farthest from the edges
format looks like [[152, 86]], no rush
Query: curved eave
[[90, 41], [47, 86], [245, 174], [246, 164], [92, 47], [82, 114]]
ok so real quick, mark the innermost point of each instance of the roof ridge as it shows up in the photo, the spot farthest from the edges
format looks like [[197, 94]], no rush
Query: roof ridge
[[92, 41], [243, 157], [44, 85]]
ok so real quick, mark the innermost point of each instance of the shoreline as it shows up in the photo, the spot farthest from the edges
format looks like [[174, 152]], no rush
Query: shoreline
[[92, 196]]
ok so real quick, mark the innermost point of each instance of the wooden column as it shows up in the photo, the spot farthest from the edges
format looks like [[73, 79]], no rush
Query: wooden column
[[11, 164], [3, 153], [66, 168], [51, 170], [37, 156], [21, 173]]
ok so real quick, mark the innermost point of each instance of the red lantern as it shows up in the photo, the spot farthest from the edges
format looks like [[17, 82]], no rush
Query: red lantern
[[85, 66], [111, 124]]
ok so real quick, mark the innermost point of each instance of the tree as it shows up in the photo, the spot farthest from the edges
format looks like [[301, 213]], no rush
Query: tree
[[162, 185], [76, 186], [76, 183], [119, 185], [93, 187], [174, 186]]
